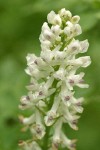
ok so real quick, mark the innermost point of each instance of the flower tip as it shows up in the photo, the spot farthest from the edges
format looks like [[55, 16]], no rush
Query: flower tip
[[66, 14], [75, 19], [56, 143], [21, 143], [50, 118]]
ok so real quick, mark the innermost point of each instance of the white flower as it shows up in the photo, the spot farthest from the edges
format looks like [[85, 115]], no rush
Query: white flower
[[66, 95], [44, 91], [47, 55], [48, 35], [45, 44], [31, 58], [71, 144], [25, 102], [70, 118], [28, 120], [54, 18], [38, 129], [49, 82], [77, 104], [33, 86], [57, 135], [77, 30], [35, 146], [84, 46], [68, 32], [60, 74], [25, 145], [56, 30], [72, 30], [29, 146], [75, 19], [55, 104], [33, 71], [45, 27], [50, 17], [37, 73], [77, 80], [66, 14], [69, 24], [59, 55], [74, 47], [25, 99], [84, 61], [54, 74], [40, 92], [52, 115], [50, 118]]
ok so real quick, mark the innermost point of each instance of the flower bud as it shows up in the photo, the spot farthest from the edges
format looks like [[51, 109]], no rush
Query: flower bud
[[48, 35], [50, 118], [84, 46], [74, 47], [45, 27], [65, 13], [27, 121], [54, 18], [56, 30], [68, 32], [70, 144], [77, 30], [50, 17], [75, 19], [38, 130], [57, 20]]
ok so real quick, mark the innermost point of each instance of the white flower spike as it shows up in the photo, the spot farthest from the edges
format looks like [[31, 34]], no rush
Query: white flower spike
[[51, 93]]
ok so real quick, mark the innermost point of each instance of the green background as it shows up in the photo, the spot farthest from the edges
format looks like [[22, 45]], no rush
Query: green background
[[20, 26]]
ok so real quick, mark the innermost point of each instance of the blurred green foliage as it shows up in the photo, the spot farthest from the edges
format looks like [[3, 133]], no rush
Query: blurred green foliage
[[20, 26]]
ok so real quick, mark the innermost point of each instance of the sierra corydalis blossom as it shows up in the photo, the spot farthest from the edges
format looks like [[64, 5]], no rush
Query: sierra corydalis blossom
[[53, 78]]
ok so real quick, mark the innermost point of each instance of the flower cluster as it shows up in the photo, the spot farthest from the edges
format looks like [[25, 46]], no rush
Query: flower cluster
[[54, 75]]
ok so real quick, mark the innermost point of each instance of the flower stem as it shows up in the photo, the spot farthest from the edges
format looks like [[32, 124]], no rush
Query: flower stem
[[46, 138]]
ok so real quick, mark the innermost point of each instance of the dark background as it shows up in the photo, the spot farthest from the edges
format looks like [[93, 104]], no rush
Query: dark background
[[20, 26]]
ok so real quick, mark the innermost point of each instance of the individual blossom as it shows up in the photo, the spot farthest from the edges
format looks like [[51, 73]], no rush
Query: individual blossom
[[29, 146], [51, 97], [27, 120], [52, 114], [56, 139], [38, 129], [70, 144], [54, 18]]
